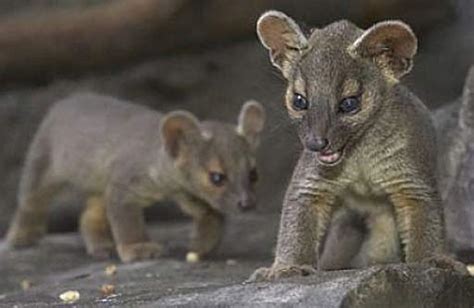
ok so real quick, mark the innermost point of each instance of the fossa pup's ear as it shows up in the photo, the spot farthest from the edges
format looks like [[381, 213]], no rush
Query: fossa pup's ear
[[283, 38], [251, 122], [180, 131], [391, 45]]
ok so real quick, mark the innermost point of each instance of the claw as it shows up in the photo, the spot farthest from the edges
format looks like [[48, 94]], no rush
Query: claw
[[280, 271], [447, 263]]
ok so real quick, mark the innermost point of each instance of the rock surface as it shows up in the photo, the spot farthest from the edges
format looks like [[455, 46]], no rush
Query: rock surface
[[59, 264], [456, 165]]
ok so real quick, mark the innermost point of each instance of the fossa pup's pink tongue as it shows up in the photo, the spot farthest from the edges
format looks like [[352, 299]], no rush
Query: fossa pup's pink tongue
[[329, 158]]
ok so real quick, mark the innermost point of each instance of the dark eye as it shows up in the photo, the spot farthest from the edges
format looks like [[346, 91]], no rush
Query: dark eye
[[300, 102], [217, 178], [253, 175], [349, 105]]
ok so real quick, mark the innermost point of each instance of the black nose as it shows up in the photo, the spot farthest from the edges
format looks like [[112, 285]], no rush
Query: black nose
[[245, 205], [317, 144]]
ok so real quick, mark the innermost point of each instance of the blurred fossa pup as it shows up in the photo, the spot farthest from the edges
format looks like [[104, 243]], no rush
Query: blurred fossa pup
[[125, 157], [369, 149]]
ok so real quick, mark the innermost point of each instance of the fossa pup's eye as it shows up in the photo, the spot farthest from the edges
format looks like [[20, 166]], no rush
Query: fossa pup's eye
[[300, 102], [217, 178], [349, 105]]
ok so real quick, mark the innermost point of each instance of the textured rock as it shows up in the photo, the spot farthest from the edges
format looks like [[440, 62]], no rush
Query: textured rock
[[59, 264], [456, 169]]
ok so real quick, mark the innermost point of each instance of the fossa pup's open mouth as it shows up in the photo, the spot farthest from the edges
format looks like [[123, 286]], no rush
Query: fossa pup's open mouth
[[330, 157]]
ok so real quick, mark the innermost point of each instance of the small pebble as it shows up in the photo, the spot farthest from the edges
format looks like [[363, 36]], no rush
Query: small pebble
[[470, 268], [231, 262], [26, 284], [192, 257], [70, 297], [111, 270]]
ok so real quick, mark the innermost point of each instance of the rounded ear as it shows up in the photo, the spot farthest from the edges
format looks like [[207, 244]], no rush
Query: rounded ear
[[251, 122], [282, 37], [391, 45], [179, 130], [466, 113]]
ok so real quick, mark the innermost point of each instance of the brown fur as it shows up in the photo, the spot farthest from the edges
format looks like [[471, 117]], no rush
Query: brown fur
[[377, 158], [126, 156]]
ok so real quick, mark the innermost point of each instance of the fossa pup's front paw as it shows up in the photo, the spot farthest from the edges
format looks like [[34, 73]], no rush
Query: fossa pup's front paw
[[101, 251], [139, 251], [281, 271], [447, 263]]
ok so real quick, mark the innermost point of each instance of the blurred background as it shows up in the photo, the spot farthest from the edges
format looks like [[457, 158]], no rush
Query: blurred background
[[202, 56]]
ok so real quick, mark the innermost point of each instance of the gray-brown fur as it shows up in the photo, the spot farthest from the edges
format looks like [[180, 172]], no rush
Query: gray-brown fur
[[126, 156], [378, 161]]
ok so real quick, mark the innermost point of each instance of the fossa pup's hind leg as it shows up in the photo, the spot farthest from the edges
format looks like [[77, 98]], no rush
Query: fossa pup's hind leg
[[37, 187], [382, 243], [344, 240]]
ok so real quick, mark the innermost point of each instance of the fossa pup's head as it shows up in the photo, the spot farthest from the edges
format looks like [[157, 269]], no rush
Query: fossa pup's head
[[217, 161], [338, 76]]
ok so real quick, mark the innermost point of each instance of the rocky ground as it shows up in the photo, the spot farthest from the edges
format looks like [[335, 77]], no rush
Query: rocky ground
[[59, 264]]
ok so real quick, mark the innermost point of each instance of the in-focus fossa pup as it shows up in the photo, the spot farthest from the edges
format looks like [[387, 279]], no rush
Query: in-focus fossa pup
[[369, 157]]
